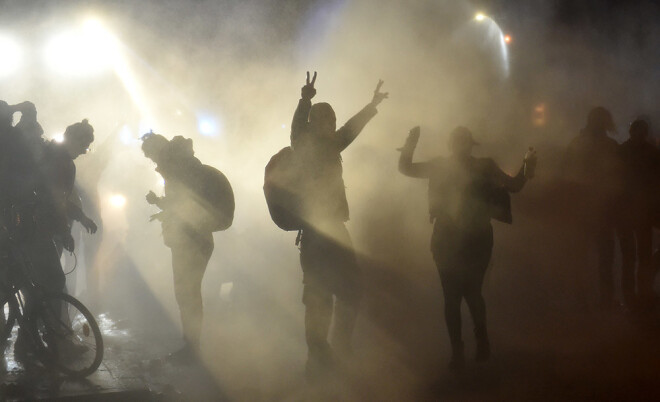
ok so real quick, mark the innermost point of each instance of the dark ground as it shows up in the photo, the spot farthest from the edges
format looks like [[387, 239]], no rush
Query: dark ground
[[545, 346]]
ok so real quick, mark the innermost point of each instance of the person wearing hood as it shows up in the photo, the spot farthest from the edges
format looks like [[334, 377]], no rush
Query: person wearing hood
[[190, 211]]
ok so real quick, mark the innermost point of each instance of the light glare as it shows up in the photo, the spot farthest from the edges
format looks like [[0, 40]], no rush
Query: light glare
[[88, 50], [117, 201], [12, 56]]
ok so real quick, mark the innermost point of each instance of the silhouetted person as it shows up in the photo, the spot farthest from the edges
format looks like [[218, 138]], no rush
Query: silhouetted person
[[460, 192], [28, 186], [639, 212], [593, 167], [326, 252], [197, 202], [59, 171]]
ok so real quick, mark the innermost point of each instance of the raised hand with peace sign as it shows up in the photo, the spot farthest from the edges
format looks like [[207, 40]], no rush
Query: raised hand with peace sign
[[378, 96], [308, 91]]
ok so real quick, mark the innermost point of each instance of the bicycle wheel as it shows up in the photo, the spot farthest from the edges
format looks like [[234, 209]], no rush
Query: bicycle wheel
[[68, 335]]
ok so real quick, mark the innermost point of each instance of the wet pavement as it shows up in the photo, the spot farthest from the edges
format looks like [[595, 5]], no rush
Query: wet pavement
[[133, 369]]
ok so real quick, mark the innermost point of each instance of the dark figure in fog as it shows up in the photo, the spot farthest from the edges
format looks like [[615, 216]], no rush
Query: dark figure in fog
[[326, 252], [33, 184], [25, 185], [59, 171], [460, 190], [594, 169], [189, 216], [639, 212]]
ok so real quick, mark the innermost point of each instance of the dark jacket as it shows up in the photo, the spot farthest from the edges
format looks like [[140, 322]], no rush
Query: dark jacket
[[460, 193], [641, 179], [324, 190]]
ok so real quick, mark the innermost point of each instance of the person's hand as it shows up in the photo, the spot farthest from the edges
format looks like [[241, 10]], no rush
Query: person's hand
[[530, 163], [152, 198], [413, 138], [308, 91], [67, 242], [89, 225], [379, 96]]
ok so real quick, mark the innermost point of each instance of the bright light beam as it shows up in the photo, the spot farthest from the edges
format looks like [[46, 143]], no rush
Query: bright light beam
[[12, 56], [118, 201]]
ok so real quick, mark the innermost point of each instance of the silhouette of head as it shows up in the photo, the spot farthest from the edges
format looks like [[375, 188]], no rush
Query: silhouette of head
[[154, 147], [461, 141], [78, 137], [322, 119], [181, 148], [639, 130], [600, 121], [6, 115]]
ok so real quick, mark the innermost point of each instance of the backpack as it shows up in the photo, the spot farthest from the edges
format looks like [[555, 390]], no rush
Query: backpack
[[219, 196], [282, 188]]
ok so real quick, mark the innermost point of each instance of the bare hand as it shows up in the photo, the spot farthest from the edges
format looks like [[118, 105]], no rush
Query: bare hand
[[379, 96], [530, 163], [67, 242], [308, 91], [413, 138], [152, 198], [89, 225]]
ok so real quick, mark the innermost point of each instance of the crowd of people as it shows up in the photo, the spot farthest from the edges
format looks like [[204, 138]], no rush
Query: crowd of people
[[612, 191]]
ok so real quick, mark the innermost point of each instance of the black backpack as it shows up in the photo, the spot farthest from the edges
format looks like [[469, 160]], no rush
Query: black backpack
[[283, 182], [220, 197]]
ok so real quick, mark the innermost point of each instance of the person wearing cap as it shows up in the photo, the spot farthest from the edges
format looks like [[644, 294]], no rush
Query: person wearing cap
[[593, 172], [461, 210], [641, 161]]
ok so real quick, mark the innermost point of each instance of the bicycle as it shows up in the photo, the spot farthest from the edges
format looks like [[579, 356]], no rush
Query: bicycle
[[57, 327]]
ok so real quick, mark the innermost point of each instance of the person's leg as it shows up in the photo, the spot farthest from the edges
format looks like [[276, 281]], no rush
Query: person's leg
[[453, 294], [605, 247], [346, 284], [477, 306], [318, 302], [645, 272], [628, 245], [189, 264], [46, 271], [318, 316], [478, 252]]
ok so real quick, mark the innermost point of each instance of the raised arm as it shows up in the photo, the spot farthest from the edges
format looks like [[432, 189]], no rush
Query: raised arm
[[301, 115], [406, 166], [349, 131], [517, 182]]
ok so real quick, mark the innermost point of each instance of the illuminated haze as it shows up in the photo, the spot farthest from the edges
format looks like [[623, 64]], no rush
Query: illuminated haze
[[228, 75]]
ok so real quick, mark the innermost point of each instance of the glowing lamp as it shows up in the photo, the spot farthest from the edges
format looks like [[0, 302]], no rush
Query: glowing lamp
[[88, 50], [117, 201]]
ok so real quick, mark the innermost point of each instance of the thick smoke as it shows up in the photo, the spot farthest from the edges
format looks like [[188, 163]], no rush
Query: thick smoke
[[243, 63]]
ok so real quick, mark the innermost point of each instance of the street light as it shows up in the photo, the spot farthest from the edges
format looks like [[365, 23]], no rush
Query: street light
[[87, 50], [480, 17]]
